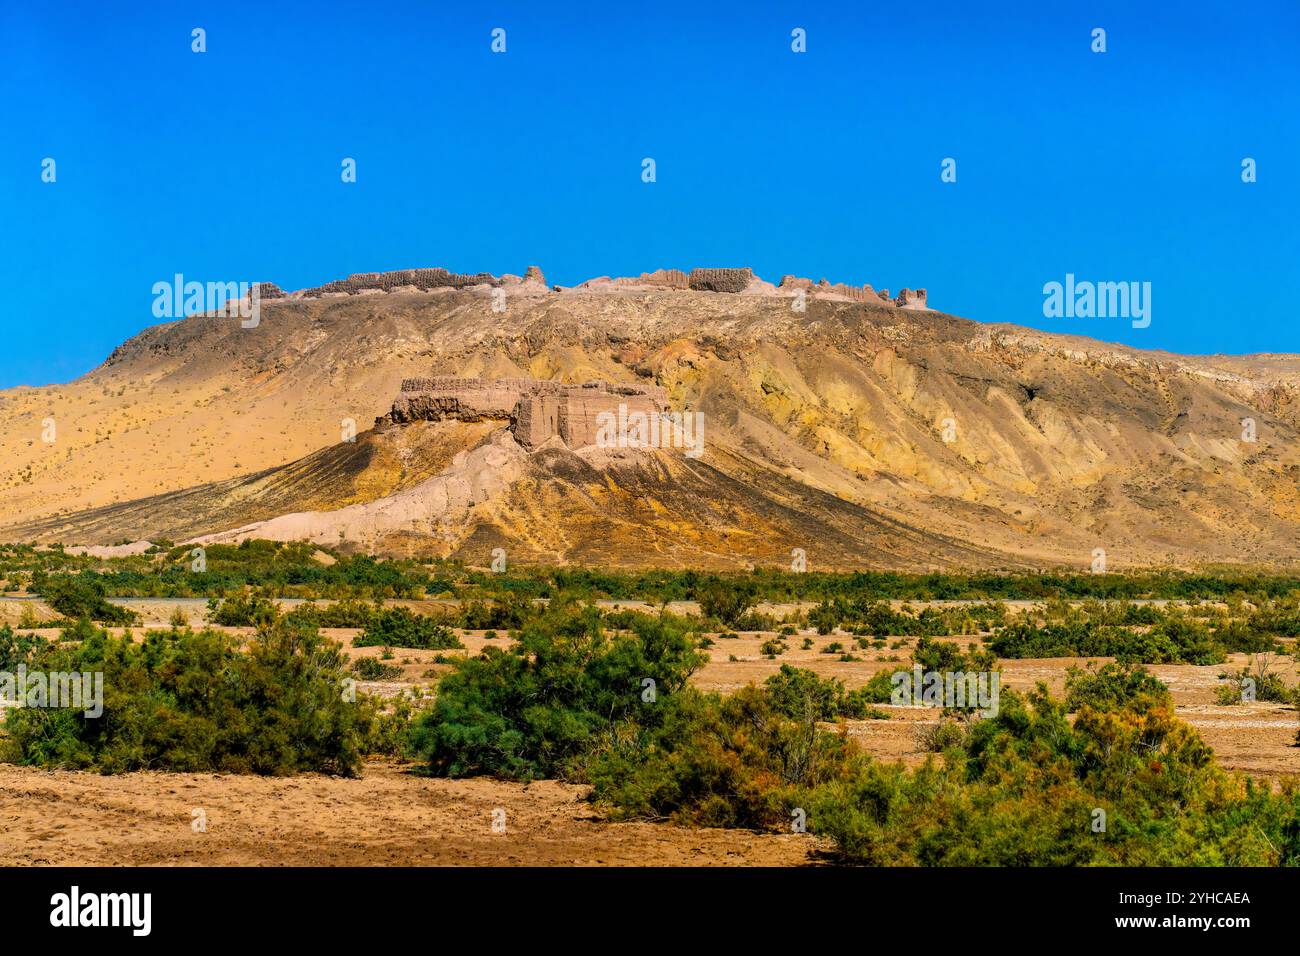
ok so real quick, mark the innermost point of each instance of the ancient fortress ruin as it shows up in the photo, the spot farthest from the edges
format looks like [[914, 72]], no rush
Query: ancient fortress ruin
[[532, 282], [537, 411]]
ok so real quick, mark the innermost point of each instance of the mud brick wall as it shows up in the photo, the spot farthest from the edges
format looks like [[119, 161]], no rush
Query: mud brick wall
[[580, 412], [537, 410], [720, 280], [855, 293], [424, 279], [668, 278]]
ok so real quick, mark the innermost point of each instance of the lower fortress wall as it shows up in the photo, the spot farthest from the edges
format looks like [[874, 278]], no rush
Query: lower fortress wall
[[536, 410]]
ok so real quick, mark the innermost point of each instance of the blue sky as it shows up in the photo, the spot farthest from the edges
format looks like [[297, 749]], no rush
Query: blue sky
[[225, 165]]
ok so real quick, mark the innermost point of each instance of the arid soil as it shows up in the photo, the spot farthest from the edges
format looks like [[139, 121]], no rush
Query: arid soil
[[389, 816]]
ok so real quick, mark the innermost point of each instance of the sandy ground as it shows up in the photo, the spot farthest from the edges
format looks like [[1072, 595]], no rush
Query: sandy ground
[[389, 816]]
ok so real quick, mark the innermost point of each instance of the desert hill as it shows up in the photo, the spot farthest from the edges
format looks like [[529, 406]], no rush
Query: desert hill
[[866, 430]]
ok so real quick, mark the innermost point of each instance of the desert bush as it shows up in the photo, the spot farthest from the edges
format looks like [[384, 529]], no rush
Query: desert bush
[[197, 701], [398, 627], [536, 708], [1173, 641], [1280, 617], [1245, 636], [800, 694], [1256, 681], [726, 601], [736, 761], [372, 668], [18, 648], [242, 610], [348, 612], [28, 618], [507, 614], [1114, 686], [1022, 787], [82, 596], [947, 731]]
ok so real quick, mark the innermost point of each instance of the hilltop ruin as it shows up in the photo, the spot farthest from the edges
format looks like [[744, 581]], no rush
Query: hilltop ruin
[[536, 410], [725, 281]]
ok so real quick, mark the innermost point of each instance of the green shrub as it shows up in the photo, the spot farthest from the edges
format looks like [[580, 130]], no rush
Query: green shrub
[[1245, 637], [190, 701], [799, 694], [242, 610], [346, 613], [735, 761], [82, 596], [725, 601], [1173, 641], [1256, 681], [1022, 789], [372, 668], [508, 614], [537, 708], [1114, 686], [398, 627]]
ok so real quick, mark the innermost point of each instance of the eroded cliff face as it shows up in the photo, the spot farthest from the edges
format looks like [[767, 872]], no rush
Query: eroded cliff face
[[879, 433]]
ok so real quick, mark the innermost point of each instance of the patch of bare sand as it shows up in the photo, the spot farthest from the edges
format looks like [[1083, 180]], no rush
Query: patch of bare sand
[[388, 817]]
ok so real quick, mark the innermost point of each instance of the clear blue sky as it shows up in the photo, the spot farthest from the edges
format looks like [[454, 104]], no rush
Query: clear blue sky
[[225, 165]]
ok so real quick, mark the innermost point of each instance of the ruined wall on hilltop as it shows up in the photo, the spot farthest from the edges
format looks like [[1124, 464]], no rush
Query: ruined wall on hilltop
[[667, 278], [720, 280], [855, 293], [423, 279], [733, 281], [536, 410]]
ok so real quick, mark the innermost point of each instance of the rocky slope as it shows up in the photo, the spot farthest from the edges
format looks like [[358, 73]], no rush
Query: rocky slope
[[867, 431]]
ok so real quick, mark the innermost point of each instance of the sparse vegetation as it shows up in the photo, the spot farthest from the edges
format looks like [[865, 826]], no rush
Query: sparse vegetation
[[80, 596], [185, 700], [398, 627]]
